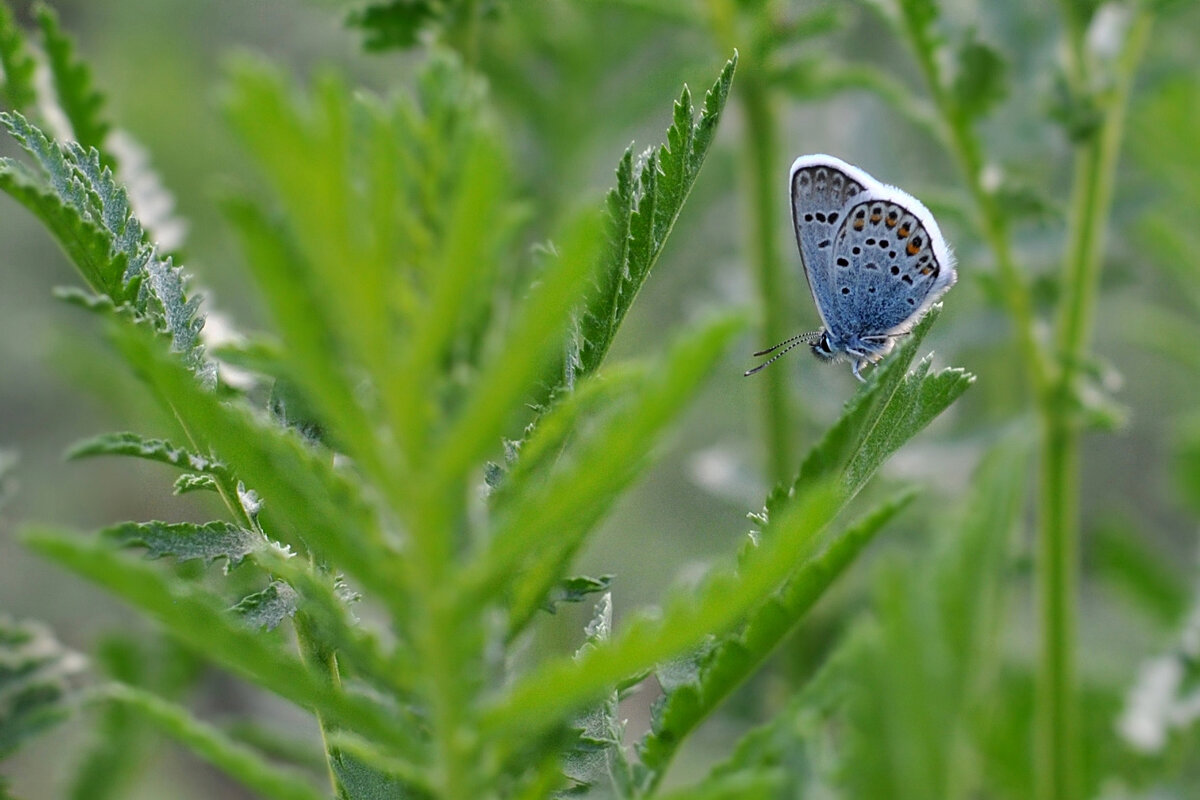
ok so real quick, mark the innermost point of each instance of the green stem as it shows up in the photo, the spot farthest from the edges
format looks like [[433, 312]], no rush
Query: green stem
[[764, 193], [990, 219], [1059, 754], [321, 660]]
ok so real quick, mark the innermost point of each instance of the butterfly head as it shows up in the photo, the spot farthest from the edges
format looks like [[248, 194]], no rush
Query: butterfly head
[[822, 348]]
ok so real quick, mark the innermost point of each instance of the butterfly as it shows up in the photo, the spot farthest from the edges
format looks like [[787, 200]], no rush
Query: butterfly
[[874, 258]]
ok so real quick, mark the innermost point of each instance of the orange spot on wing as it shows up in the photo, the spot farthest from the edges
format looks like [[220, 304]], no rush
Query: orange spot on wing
[[876, 217], [926, 270], [903, 232], [912, 249], [858, 224], [891, 223]]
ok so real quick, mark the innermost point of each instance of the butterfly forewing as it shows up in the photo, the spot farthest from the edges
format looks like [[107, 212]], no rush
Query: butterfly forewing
[[821, 189]]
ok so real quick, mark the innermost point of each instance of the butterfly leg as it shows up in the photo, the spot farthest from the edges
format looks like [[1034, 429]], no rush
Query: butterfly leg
[[859, 363]]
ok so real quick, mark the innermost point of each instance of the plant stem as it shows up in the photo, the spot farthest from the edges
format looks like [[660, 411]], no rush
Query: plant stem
[[322, 661], [763, 194], [1059, 752], [990, 220]]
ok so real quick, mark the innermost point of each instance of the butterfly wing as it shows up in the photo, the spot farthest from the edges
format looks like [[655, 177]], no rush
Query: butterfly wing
[[822, 186], [889, 264]]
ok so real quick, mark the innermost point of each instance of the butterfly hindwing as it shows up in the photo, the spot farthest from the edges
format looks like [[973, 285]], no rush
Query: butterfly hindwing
[[889, 265]]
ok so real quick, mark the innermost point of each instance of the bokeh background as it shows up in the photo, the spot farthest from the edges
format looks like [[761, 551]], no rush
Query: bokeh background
[[575, 83]]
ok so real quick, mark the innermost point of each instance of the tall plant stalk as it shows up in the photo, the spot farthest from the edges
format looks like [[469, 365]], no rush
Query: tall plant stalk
[[1057, 725], [734, 28], [763, 194], [1051, 373]]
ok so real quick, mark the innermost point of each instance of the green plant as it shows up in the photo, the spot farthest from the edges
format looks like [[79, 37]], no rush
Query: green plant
[[415, 356]]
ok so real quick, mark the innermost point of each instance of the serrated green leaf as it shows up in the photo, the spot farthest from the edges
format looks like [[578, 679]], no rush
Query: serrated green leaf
[[132, 444], [576, 589], [17, 66], [725, 664], [185, 541], [365, 773], [540, 699], [892, 408], [203, 622], [214, 746], [190, 482], [80, 201], [540, 531], [268, 608], [535, 337], [394, 24], [641, 211], [980, 80], [79, 100], [596, 761], [34, 693]]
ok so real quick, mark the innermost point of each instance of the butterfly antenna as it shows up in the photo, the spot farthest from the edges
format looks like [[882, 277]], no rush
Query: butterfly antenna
[[786, 344]]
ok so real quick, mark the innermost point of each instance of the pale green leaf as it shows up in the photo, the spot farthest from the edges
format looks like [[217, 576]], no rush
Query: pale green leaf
[[203, 622], [216, 747], [79, 199], [132, 444], [268, 608], [185, 541], [34, 689], [539, 532]]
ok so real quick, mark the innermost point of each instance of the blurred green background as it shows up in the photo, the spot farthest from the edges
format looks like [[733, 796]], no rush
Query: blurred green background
[[574, 83]]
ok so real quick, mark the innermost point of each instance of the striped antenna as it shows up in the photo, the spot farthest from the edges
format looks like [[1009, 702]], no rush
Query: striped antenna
[[786, 344]]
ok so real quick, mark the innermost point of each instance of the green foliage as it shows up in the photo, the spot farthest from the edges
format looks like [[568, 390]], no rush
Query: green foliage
[[184, 540], [131, 444], [981, 82], [34, 681], [396, 24], [79, 100], [16, 64], [419, 344], [913, 672], [215, 747], [88, 212], [641, 212], [894, 406]]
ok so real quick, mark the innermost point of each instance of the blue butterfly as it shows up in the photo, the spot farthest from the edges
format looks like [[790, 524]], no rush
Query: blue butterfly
[[874, 258]]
